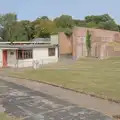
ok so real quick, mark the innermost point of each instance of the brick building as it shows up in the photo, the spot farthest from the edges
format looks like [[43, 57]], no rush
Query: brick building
[[105, 43]]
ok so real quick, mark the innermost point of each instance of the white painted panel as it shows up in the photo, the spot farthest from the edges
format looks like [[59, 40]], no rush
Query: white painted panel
[[25, 63], [11, 58], [41, 55], [1, 58]]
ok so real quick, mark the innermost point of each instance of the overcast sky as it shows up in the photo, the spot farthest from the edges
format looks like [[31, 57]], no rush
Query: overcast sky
[[31, 9]]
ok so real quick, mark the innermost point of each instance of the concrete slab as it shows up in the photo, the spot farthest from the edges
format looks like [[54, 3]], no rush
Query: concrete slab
[[34, 105]]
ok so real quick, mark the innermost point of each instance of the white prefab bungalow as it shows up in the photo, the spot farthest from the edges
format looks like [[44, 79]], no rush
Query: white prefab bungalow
[[27, 54]]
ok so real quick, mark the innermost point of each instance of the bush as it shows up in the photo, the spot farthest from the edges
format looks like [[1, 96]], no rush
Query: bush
[[68, 32]]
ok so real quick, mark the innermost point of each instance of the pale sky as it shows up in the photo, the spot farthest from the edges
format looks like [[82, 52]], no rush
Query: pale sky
[[31, 9]]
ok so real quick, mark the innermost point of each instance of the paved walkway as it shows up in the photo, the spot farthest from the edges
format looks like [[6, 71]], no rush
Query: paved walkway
[[80, 100], [32, 105]]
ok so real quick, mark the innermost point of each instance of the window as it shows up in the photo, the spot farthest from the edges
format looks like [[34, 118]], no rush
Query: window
[[20, 54], [28, 54], [25, 54], [51, 51]]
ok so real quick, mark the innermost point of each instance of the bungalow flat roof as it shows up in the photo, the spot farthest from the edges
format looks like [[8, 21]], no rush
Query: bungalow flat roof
[[26, 42], [26, 46]]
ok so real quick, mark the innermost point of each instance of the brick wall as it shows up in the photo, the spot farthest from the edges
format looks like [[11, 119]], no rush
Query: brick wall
[[99, 38], [65, 44], [76, 45]]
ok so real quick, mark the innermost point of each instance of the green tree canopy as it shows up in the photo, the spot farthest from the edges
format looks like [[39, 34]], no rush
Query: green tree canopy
[[102, 22], [98, 19], [81, 23], [1, 31], [64, 21], [7, 22], [29, 28], [119, 28], [43, 18], [43, 28], [19, 32], [7, 19], [25, 30]]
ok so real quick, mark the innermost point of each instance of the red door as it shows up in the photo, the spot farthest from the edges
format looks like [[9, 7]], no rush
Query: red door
[[4, 58]]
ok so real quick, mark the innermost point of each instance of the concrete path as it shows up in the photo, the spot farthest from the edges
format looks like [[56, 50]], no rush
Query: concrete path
[[23, 102]]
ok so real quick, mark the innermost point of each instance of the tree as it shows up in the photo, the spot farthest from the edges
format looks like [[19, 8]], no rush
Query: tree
[[68, 32], [119, 28], [18, 32], [25, 30], [98, 19], [88, 43], [80, 23], [43, 28], [64, 21], [28, 28], [103, 22], [110, 25], [1, 32], [7, 22], [44, 18], [92, 25]]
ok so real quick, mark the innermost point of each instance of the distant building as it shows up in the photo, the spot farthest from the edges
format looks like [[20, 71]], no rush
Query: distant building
[[105, 43]]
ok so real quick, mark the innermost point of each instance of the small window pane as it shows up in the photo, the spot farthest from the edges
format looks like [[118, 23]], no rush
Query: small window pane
[[51, 51]]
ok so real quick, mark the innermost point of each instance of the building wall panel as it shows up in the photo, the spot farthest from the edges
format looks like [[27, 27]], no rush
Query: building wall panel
[[41, 55], [1, 58]]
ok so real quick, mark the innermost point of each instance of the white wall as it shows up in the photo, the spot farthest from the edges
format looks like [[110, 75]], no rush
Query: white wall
[[25, 63], [13, 62], [41, 55], [1, 58]]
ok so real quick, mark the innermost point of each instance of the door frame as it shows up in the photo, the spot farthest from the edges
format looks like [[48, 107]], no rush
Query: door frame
[[5, 64]]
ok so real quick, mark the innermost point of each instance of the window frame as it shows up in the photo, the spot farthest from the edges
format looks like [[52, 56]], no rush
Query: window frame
[[51, 52], [24, 54]]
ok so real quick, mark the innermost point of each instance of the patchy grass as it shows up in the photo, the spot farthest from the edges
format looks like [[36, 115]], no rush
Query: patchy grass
[[92, 76], [6, 117]]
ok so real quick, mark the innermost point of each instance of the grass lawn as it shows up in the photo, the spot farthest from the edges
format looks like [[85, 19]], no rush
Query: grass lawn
[[92, 76], [6, 117]]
